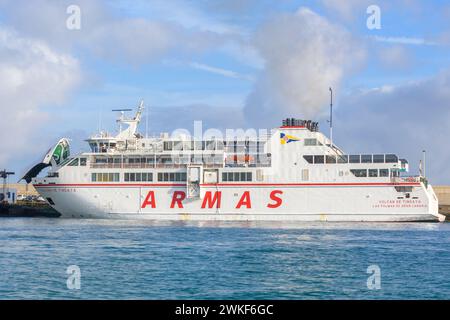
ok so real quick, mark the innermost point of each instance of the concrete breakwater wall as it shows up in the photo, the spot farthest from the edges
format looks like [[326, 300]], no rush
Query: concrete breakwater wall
[[443, 194]]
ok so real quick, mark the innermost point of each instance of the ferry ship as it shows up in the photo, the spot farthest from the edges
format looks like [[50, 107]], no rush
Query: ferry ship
[[292, 173]]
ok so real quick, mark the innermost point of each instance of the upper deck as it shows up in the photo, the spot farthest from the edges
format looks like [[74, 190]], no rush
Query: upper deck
[[295, 151]]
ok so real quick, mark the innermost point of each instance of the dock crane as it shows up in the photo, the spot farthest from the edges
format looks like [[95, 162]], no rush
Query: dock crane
[[4, 175]]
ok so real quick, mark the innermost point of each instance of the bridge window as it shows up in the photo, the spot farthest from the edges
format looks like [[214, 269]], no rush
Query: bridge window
[[309, 159], [355, 158], [210, 145], [83, 162], [330, 159], [373, 173], [342, 159], [178, 145], [384, 172], [378, 158], [65, 162], [74, 163], [395, 173], [391, 158], [188, 145], [168, 145], [94, 147], [101, 160], [319, 159], [366, 158], [360, 173]]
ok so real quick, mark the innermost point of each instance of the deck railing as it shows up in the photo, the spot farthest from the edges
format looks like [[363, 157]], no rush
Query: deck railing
[[174, 165]]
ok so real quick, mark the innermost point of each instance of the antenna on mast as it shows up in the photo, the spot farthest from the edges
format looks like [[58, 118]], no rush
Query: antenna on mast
[[146, 123], [424, 155], [122, 116], [331, 116], [132, 123], [99, 120]]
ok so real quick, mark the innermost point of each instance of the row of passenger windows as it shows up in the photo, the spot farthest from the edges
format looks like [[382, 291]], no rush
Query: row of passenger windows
[[105, 177], [226, 176], [138, 176], [171, 176], [236, 176], [373, 173], [358, 158]]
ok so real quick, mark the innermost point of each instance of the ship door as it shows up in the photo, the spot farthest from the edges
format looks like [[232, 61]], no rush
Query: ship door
[[194, 174]]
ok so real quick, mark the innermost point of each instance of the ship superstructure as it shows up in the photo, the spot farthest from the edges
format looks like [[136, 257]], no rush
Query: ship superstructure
[[291, 173]]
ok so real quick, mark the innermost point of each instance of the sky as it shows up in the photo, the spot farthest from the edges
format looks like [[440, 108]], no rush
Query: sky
[[64, 65]]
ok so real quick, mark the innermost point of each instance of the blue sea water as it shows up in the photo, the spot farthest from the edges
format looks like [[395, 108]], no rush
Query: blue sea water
[[145, 260]]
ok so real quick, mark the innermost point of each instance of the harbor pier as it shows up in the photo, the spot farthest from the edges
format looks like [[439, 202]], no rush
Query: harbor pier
[[443, 194]]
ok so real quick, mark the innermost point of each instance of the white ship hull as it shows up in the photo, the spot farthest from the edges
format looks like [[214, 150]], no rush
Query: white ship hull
[[293, 173], [333, 202]]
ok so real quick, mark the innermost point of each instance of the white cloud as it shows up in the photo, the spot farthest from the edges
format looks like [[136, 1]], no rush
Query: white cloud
[[347, 9], [32, 76], [133, 41], [395, 57], [115, 36], [220, 71], [180, 12], [304, 55], [405, 40], [355, 10], [404, 119]]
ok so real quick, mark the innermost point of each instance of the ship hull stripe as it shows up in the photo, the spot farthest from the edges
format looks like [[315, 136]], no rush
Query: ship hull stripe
[[230, 185]]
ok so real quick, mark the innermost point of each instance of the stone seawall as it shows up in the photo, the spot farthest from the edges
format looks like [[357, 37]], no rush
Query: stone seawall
[[443, 194]]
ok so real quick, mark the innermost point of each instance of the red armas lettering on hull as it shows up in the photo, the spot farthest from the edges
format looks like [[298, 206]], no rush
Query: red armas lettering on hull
[[177, 198], [245, 201], [149, 200], [274, 197], [211, 200]]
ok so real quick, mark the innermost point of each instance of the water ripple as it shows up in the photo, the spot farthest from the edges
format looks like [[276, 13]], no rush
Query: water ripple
[[149, 260]]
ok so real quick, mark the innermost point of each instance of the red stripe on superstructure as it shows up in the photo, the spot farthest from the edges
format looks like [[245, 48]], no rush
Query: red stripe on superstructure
[[230, 184], [113, 185], [311, 184]]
